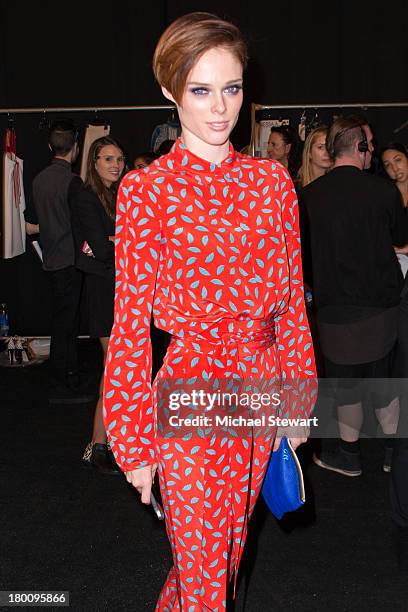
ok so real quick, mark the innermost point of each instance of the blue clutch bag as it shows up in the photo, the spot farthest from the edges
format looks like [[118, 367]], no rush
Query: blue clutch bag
[[283, 488]]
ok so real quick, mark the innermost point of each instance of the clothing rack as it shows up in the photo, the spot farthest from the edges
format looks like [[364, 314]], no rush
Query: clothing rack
[[361, 105], [303, 107], [96, 109], [75, 109]]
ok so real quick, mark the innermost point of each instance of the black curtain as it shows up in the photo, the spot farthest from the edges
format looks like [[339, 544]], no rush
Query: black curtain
[[81, 55]]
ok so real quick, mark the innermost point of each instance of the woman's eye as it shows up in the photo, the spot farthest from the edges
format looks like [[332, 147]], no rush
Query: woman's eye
[[233, 89], [199, 91]]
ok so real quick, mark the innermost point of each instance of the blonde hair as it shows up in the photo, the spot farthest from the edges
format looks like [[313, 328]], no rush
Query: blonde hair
[[306, 169], [183, 43]]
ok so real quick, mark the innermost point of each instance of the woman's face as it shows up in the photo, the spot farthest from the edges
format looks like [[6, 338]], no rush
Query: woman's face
[[212, 99], [318, 153], [277, 148], [396, 165], [140, 163], [109, 164]]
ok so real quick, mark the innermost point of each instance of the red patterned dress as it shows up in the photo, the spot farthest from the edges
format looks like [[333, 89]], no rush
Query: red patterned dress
[[213, 251]]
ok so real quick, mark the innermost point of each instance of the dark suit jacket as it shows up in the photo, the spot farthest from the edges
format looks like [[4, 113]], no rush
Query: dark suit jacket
[[93, 225]]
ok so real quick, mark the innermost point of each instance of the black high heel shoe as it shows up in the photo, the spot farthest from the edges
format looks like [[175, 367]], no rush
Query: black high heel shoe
[[100, 457]]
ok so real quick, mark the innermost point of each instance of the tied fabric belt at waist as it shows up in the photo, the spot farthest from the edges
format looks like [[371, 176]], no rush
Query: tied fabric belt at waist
[[229, 336], [229, 345]]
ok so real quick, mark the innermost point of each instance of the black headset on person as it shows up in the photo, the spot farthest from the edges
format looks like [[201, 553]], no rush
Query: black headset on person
[[362, 144]]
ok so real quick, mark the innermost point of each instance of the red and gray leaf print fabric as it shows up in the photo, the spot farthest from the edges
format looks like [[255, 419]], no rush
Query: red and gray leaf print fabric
[[213, 251]]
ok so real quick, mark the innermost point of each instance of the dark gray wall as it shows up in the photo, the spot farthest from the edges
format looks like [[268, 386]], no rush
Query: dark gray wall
[[76, 54]]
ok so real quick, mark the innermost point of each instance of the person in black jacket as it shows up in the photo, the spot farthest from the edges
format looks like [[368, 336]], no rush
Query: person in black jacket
[[54, 189], [94, 227], [356, 219]]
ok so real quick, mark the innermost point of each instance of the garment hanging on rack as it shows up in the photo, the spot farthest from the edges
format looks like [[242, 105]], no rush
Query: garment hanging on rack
[[314, 122], [302, 127], [170, 130], [91, 134], [14, 236]]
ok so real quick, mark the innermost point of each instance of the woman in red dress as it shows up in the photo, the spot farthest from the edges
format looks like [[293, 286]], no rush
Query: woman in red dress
[[207, 241]]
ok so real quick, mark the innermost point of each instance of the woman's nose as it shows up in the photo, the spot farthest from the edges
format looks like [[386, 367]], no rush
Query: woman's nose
[[219, 103]]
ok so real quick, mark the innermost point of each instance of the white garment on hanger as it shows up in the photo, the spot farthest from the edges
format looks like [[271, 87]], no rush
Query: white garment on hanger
[[403, 262], [13, 206], [92, 133]]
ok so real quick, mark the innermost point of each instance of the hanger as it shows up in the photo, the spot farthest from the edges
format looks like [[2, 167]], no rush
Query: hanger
[[98, 120], [316, 119], [173, 117], [45, 123], [10, 138]]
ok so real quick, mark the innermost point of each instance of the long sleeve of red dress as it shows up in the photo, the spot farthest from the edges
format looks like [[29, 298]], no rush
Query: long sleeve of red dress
[[128, 392]]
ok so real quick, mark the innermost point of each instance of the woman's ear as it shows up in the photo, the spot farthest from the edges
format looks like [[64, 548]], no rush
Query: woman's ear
[[167, 95]]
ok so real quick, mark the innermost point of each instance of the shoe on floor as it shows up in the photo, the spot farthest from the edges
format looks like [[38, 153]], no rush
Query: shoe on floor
[[100, 457], [64, 394], [340, 461], [387, 459]]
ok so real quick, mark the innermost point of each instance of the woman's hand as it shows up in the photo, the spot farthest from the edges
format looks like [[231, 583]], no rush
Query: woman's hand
[[296, 436], [142, 480], [403, 250]]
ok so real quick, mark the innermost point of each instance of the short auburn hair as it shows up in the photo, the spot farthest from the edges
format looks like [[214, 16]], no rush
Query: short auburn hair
[[183, 43]]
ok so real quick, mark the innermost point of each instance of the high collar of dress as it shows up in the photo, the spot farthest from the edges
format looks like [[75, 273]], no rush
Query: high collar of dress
[[180, 158]]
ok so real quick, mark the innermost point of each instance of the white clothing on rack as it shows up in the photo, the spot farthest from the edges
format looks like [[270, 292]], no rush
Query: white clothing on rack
[[92, 133], [13, 206]]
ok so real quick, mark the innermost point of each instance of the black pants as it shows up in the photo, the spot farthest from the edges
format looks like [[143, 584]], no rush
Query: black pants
[[399, 483], [400, 369], [355, 383], [66, 291]]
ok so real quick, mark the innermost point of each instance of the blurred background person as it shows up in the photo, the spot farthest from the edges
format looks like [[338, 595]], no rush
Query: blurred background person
[[94, 212], [282, 146], [143, 159], [316, 160], [355, 220], [394, 161], [54, 190]]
